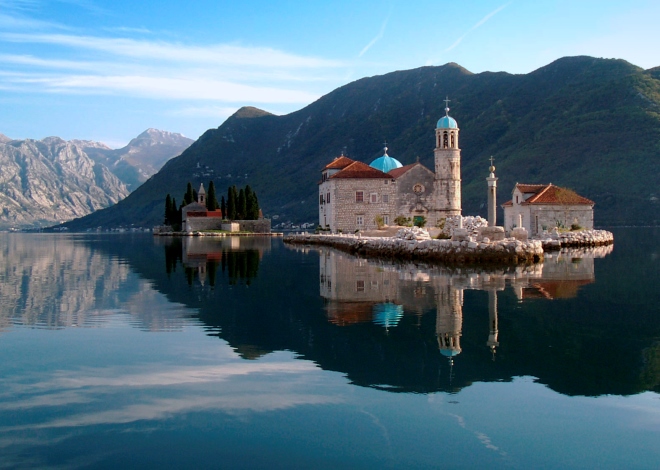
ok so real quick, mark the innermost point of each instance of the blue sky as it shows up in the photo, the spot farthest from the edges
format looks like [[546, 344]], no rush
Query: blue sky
[[107, 70]]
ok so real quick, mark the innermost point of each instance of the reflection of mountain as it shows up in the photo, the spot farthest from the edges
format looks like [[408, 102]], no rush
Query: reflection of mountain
[[584, 345], [56, 281]]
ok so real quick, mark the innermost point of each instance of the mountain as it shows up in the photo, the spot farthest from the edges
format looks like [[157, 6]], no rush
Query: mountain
[[589, 124], [49, 181], [4, 139], [141, 158]]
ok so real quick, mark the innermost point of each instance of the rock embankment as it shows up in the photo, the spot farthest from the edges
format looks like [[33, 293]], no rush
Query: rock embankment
[[411, 244], [557, 240]]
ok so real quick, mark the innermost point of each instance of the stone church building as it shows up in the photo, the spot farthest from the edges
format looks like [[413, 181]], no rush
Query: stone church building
[[545, 206], [352, 194]]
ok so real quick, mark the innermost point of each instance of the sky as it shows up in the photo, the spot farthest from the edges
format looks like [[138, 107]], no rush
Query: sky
[[108, 70]]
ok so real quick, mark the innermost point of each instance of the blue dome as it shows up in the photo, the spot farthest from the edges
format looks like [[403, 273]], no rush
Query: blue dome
[[385, 163], [449, 353], [387, 314], [447, 122]]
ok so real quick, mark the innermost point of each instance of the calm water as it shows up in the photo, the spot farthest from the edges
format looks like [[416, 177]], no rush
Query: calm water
[[131, 352]]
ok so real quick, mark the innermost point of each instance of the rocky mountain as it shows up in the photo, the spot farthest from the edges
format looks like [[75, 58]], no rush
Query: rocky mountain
[[4, 139], [589, 124], [141, 158], [43, 182]]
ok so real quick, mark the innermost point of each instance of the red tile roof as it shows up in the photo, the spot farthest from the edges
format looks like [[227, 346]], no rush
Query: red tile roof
[[530, 188], [549, 194], [360, 170], [395, 173], [339, 163]]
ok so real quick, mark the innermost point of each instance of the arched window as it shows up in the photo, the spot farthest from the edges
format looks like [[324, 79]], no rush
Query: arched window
[[445, 140], [453, 141]]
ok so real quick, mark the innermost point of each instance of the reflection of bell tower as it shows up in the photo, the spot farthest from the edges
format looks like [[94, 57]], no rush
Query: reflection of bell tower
[[492, 317], [449, 320]]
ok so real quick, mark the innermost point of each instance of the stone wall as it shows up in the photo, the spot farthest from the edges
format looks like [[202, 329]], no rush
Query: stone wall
[[200, 224], [254, 226], [346, 210], [421, 203], [537, 218]]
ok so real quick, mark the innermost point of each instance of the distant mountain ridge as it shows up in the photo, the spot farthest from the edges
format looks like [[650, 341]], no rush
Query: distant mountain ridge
[[49, 181], [589, 124], [141, 158]]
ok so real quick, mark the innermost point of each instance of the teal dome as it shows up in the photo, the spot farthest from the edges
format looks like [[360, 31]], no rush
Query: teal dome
[[387, 314], [447, 122], [385, 163], [449, 352]]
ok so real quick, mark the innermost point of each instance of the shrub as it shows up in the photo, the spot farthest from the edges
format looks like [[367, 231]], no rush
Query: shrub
[[403, 221], [575, 227], [380, 223]]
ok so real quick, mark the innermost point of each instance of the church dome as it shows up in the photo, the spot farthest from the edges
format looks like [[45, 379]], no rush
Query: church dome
[[385, 163], [447, 122]]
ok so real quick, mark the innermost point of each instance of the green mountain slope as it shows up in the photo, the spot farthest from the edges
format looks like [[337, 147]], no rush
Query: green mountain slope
[[589, 124]]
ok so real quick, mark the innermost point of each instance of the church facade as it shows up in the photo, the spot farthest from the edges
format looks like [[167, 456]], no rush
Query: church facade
[[542, 207], [354, 196]]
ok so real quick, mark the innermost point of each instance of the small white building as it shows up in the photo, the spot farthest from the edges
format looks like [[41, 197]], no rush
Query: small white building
[[545, 206]]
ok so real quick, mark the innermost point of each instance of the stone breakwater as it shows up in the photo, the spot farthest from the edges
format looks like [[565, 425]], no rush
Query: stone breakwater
[[410, 247], [587, 238]]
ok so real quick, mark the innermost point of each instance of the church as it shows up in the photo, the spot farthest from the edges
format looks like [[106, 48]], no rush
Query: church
[[354, 196]]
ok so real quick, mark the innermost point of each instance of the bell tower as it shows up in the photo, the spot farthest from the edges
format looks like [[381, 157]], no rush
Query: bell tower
[[447, 184]]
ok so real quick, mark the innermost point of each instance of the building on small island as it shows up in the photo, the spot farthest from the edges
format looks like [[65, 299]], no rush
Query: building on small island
[[196, 216], [356, 196], [545, 206]]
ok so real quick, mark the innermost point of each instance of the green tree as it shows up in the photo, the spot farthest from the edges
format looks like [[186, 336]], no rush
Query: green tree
[[223, 207], [252, 212], [211, 200], [231, 203], [175, 214], [189, 196], [241, 208], [168, 210]]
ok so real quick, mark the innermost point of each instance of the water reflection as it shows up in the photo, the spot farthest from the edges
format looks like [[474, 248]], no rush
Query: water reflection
[[59, 282], [400, 327], [359, 290]]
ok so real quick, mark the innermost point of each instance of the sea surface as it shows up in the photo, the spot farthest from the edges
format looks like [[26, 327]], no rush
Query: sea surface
[[129, 351]]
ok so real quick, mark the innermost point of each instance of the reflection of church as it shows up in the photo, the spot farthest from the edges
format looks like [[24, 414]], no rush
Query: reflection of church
[[359, 291]]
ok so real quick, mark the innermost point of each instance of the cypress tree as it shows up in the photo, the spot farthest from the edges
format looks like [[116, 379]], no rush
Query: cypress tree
[[252, 204], [223, 207], [211, 201], [189, 196], [168, 210], [241, 210], [231, 204]]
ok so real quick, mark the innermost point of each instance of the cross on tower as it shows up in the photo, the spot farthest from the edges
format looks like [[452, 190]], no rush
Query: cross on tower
[[491, 160], [447, 100]]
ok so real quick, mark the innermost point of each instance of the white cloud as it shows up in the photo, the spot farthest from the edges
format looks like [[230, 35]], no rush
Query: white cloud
[[205, 111], [479, 23], [377, 38], [172, 52]]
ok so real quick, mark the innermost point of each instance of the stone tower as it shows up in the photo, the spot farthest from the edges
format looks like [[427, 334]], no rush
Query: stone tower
[[492, 195], [447, 184]]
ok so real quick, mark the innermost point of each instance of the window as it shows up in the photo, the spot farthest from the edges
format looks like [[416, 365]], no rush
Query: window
[[374, 198], [386, 181], [359, 196], [359, 220], [386, 219], [386, 198], [321, 199], [359, 286], [418, 188], [327, 199]]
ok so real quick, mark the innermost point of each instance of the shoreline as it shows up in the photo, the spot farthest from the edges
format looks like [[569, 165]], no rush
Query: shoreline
[[507, 252]]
